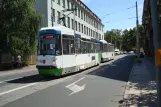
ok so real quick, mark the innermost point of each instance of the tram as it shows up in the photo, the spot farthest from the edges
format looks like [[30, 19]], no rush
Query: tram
[[107, 50], [61, 52]]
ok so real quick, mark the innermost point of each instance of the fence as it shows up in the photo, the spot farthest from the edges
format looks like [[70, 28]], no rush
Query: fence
[[6, 60]]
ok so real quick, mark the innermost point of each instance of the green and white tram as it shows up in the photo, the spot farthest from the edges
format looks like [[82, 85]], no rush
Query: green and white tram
[[61, 52], [107, 50]]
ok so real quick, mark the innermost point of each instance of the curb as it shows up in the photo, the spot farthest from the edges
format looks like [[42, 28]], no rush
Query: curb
[[126, 87]]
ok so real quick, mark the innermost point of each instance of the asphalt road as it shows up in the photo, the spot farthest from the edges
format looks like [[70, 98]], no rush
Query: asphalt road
[[101, 87], [18, 75]]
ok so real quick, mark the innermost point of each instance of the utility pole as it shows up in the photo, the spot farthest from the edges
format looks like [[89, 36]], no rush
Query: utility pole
[[137, 33], [157, 47]]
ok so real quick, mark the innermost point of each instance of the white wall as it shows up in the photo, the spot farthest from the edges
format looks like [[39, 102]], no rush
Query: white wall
[[44, 8]]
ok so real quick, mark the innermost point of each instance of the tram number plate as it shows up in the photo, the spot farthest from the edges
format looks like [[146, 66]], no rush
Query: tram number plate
[[93, 57]]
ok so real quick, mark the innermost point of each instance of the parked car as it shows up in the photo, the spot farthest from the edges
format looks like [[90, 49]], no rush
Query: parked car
[[117, 52], [125, 52], [131, 52]]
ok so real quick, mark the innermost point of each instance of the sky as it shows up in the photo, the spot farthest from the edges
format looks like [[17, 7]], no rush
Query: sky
[[120, 17]]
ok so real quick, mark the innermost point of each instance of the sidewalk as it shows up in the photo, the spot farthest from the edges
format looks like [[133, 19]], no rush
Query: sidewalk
[[17, 71], [141, 87]]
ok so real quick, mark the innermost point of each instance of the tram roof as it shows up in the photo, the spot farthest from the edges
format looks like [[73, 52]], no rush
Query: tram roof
[[103, 41], [86, 37], [61, 29]]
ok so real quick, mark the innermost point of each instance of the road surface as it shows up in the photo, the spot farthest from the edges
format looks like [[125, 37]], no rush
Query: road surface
[[101, 86]]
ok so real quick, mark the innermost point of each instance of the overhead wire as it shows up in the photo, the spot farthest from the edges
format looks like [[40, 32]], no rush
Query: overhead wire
[[118, 11]]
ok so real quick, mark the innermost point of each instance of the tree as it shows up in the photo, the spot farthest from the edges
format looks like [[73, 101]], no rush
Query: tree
[[125, 40], [115, 37], [129, 38], [19, 27]]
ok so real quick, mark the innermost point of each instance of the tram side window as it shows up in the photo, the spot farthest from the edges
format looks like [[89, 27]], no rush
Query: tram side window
[[71, 46], [78, 45], [105, 48], [83, 50], [68, 45], [99, 47], [108, 48], [111, 49], [92, 50], [86, 47], [65, 47], [89, 47]]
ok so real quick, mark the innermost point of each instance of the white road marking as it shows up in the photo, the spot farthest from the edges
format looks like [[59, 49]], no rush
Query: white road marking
[[9, 91], [76, 88], [10, 79], [76, 81]]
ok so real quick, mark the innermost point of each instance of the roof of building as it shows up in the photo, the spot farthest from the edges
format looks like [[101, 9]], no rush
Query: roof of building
[[90, 11]]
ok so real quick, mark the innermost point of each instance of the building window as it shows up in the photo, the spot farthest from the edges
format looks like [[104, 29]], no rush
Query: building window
[[79, 27], [53, 15], [87, 31], [82, 15], [78, 12], [64, 20], [82, 28], [68, 4], [68, 22], [91, 33], [72, 24], [64, 3], [59, 2], [76, 25], [72, 6], [58, 18]]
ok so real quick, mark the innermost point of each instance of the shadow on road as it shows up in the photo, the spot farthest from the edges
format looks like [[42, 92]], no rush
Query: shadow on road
[[117, 70], [32, 79], [38, 78]]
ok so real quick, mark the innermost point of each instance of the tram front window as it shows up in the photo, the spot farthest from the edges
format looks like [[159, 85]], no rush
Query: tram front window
[[49, 46]]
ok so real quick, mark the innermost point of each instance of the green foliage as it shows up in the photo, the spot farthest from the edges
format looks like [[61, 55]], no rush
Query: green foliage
[[114, 36], [19, 27], [125, 40]]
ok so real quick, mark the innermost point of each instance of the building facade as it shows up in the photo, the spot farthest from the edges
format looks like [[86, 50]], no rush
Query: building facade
[[148, 29], [70, 13]]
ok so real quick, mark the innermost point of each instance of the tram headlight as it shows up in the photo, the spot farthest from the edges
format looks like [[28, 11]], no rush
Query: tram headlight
[[54, 63]]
